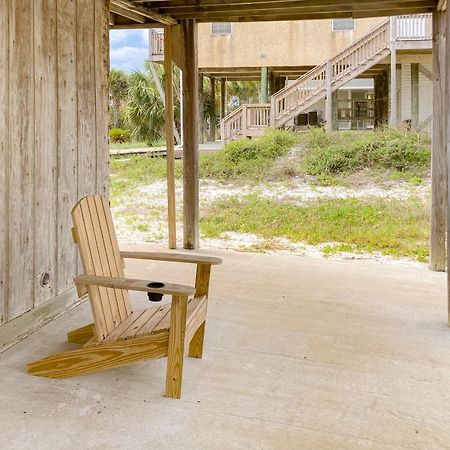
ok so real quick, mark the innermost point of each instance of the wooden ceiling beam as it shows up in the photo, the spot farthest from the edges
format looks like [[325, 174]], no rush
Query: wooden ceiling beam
[[310, 5], [289, 16], [127, 13], [146, 13], [350, 10]]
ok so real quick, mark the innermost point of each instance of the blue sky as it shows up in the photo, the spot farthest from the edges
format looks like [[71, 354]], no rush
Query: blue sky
[[129, 49]]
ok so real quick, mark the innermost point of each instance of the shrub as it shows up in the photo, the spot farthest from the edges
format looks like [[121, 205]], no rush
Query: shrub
[[344, 152], [248, 157], [117, 135]]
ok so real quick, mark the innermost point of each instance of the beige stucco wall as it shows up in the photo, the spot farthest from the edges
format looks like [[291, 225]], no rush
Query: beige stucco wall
[[294, 43]]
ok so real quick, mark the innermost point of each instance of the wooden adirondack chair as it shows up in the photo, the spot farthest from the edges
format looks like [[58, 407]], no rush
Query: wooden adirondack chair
[[120, 335]]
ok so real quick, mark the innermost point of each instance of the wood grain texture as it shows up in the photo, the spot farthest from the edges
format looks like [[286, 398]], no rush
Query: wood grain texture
[[4, 158], [45, 148], [190, 137], [101, 56], [196, 315], [133, 285], [196, 328], [170, 141], [196, 343], [21, 160], [174, 374], [13, 331], [439, 169], [172, 257], [67, 140], [202, 278], [92, 251], [81, 335], [112, 260], [118, 267], [102, 357], [88, 267], [39, 165], [86, 90]]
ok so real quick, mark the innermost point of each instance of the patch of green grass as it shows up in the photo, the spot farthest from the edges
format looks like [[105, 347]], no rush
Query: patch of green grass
[[128, 173], [392, 227], [333, 249], [400, 151], [248, 159]]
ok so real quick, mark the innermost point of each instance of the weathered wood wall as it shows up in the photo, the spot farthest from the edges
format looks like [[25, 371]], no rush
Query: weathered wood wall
[[53, 139]]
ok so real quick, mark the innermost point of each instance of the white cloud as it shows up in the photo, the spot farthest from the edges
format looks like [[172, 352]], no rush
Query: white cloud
[[144, 37], [120, 36], [128, 59]]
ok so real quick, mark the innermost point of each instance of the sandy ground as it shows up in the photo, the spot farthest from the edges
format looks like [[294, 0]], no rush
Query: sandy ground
[[142, 218]]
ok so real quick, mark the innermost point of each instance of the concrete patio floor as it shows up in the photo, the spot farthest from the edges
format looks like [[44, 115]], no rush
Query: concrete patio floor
[[299, 354]]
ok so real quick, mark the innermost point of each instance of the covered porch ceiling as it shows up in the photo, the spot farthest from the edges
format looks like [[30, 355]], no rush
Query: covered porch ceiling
[[254, 73], [143, 13]]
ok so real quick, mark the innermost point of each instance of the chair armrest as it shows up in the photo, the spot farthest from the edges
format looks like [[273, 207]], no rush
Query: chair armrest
[[134, 285], [173, 257]]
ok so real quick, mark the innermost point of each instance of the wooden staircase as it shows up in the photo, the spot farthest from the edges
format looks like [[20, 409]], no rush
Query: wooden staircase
[[251, 119]]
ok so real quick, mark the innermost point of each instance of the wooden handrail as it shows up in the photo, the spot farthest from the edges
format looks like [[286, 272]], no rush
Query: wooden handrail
[[157, 42], [309, 87], [245, 121], [312, 86]]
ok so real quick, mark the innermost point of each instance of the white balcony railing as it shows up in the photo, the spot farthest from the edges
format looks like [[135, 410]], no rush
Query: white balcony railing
[[418, 27]]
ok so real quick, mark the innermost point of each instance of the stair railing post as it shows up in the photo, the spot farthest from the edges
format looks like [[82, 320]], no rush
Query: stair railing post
[[328, 100], [393, 47], [244, 121]]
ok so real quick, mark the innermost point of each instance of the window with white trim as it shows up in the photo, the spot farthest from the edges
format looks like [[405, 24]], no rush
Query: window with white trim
[[344, 24], [221, 28]]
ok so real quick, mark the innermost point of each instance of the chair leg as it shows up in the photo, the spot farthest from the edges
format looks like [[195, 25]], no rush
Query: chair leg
[[196, 344], [81, 335], [174, 374]]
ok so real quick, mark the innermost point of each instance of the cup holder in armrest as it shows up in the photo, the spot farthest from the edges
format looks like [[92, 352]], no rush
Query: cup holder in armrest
[[155, 296]]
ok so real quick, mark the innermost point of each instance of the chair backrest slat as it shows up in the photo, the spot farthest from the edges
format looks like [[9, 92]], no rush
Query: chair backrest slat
[[100, 255]]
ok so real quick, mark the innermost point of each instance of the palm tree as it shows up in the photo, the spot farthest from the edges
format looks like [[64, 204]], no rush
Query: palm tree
[[118, 92]]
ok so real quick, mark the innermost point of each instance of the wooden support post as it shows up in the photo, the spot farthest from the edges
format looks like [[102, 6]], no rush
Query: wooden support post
[[439, 145], [212, 117], [381, 84], [393, 117], [170, 144], [223, 98], [264, 94], [415, 96], [190, 136], [201, 106], [329, 99], [442, 56]]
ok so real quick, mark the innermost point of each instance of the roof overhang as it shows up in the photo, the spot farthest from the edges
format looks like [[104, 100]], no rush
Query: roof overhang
[[144, 13]]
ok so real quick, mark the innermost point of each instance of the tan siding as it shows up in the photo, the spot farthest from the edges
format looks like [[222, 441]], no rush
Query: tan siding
[[51, 92], [290, 43]]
